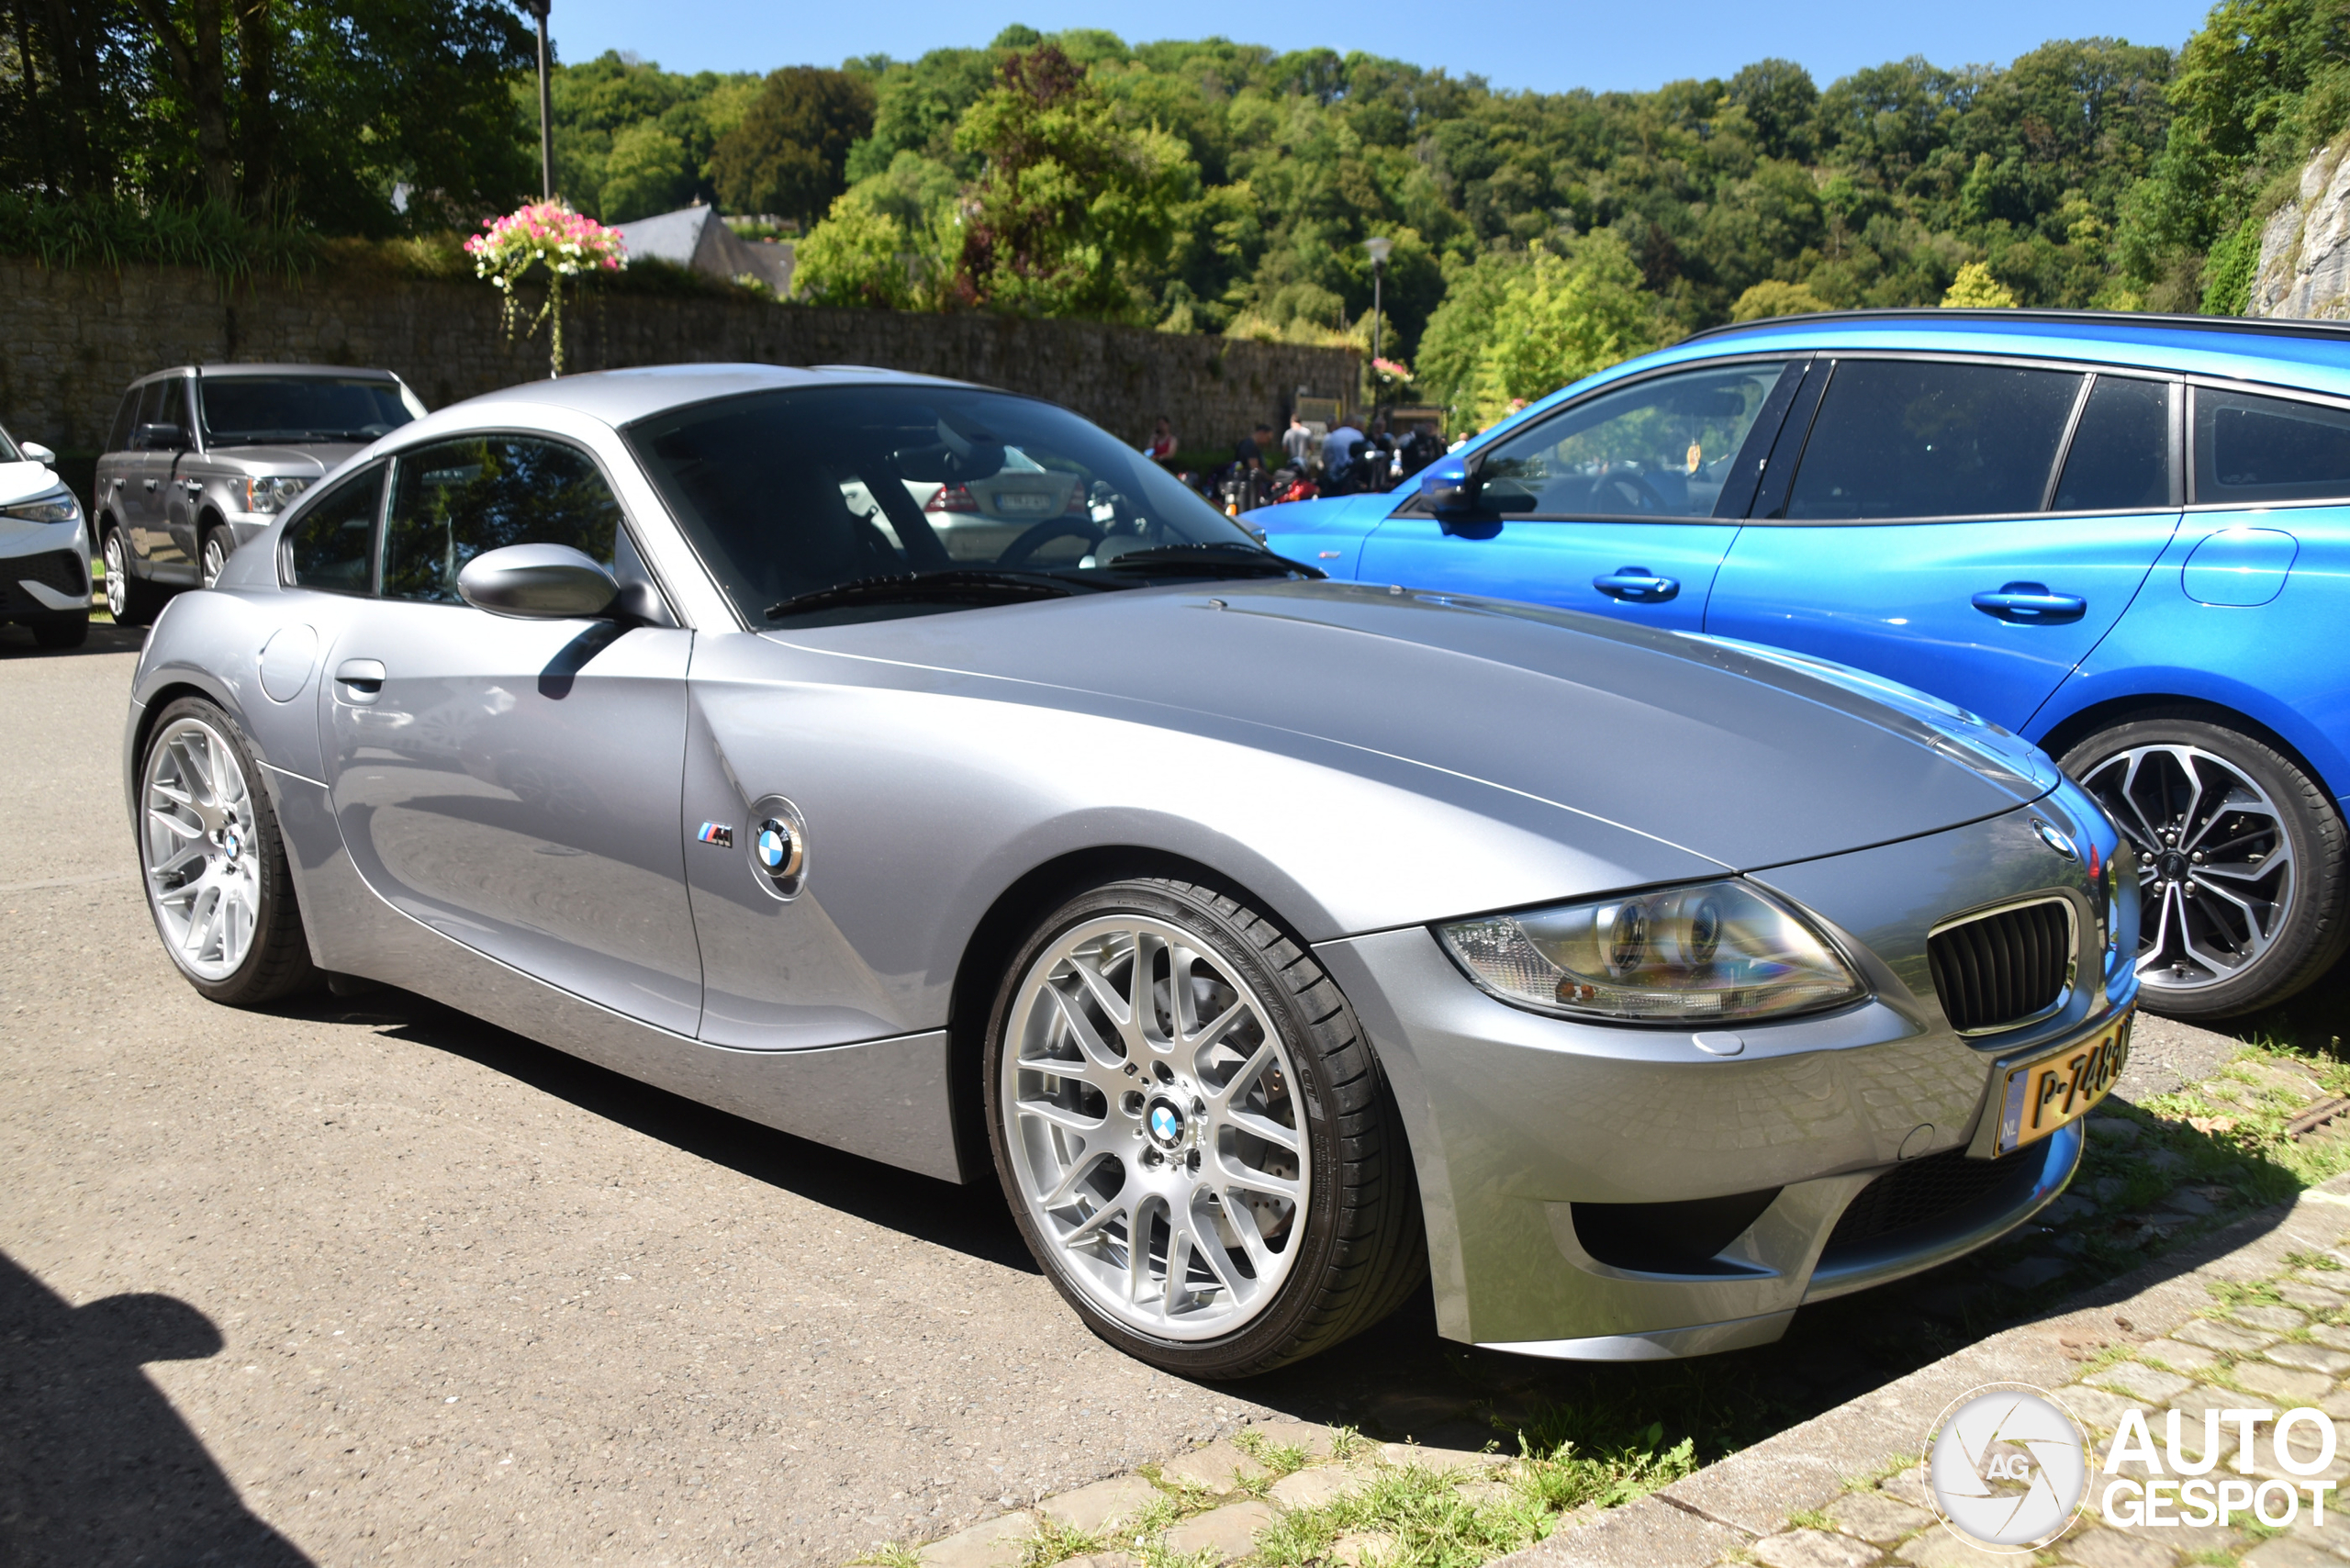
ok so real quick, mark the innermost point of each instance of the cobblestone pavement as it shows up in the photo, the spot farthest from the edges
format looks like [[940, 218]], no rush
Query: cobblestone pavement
[[342, 1282]]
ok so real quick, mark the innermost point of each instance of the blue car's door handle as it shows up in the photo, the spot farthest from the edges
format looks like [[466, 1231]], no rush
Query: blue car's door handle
[[2030, 604], [1637, 584]]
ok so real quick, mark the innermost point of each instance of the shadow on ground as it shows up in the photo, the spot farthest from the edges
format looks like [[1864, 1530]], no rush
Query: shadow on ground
[[16, 642], [95, 1466]]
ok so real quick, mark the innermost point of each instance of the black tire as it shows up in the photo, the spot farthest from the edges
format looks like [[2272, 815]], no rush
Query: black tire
[[276, 963], [131, 598], [1363, 1247], [2305, 928], [60, 628]]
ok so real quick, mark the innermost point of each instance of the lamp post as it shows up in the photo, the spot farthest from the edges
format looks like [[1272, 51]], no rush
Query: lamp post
[[546, 111], [1379, 246]]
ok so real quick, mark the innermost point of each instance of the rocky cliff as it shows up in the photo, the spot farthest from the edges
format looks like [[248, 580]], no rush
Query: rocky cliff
[[2304, 267]]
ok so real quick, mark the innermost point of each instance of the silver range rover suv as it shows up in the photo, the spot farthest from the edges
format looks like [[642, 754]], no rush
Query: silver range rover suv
[[200, 458]]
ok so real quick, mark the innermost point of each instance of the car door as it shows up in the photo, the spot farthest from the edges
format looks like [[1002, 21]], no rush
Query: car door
[[1968, 528], [514, 783], [1622, 503], [147, 473]]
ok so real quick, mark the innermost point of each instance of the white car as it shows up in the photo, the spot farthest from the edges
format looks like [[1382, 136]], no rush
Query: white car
[[44, 553]]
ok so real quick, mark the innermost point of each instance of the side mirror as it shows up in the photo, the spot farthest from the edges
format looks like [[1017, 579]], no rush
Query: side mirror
[[162, 437], [1448, 488], [537, 582], [36, 453]]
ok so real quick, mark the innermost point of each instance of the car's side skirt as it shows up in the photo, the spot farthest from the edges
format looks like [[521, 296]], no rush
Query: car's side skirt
[[887, 1100]]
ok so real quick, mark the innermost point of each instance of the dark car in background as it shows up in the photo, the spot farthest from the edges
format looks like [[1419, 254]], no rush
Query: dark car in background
[[200, 458]]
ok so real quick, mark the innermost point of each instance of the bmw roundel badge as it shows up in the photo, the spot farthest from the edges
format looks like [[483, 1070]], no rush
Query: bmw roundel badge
[[777, 840]]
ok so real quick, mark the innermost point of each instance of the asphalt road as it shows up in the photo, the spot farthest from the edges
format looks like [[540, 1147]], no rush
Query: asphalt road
[[356, 1280]]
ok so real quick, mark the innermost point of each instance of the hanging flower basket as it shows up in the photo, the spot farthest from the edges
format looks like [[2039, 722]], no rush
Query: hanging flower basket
[[543, 234]]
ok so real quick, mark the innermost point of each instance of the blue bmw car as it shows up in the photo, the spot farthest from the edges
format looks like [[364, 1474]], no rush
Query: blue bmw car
[[2120, 536]]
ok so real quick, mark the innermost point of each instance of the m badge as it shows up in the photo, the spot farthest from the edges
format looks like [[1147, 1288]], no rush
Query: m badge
[[719, 833]]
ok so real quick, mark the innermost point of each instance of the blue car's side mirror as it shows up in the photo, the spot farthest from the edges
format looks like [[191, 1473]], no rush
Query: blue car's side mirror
[[1448, 488]]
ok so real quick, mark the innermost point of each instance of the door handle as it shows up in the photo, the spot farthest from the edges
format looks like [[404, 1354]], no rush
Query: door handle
[[1638, 585], [2030, 604], [362, 679]]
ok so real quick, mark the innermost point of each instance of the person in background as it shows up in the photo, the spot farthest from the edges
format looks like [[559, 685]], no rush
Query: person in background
[[1162, 449], [1421, 447], [1378, 454], [1341, 475], [1250, 452], [1297, 441]]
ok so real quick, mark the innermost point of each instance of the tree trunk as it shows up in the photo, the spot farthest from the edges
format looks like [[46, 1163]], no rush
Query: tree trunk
[[256, 115], [202, 75], [73, 65]]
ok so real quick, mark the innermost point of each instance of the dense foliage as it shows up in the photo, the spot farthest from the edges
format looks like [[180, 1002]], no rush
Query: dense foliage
[[1210, 186]]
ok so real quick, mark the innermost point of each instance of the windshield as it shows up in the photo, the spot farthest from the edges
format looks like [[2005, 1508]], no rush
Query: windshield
[[789, 494], [8, 453], [250, 410]]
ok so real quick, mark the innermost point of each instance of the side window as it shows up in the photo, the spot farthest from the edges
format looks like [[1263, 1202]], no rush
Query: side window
[[152, 400], [2121, 455], [1661, 448], [126, 418], [454, 499], [1900, 439], [331, 544], [2252, 451]]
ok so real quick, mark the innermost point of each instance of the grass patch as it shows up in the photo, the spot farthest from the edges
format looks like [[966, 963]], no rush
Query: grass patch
[[2313, 1262], [1055, 1542], [1277, 1459], [892, 1555], [1811, 1519]]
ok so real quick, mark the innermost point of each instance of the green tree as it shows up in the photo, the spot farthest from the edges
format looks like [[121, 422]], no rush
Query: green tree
[[1773, 297], [1072, 212], [859, 255], [789, 154], [1562, 318], [646, 173], [1975, 289]]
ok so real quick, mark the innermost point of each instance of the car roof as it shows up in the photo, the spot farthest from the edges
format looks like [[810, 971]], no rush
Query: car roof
[[618, 397], [227, 371], [2309, 356]]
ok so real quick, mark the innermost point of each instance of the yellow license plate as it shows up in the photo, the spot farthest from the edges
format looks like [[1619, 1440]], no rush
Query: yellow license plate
[[2038, 1095]]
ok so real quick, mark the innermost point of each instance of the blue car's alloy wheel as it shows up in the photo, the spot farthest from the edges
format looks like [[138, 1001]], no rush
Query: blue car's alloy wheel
[[2239, 858]]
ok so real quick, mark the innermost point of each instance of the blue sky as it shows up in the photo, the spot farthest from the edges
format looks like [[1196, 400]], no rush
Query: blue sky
[[1513, 43]]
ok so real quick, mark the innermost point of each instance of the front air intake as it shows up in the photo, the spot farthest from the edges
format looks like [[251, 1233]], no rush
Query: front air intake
[[1996, 971]]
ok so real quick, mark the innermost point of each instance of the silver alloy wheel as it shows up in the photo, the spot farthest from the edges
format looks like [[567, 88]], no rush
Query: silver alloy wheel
[[118, 573], [1153, 1121], [2215, 863], [213, 557], [197, 842]]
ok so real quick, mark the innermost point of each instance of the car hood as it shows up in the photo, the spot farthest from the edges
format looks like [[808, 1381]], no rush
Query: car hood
[[23, 481], [303, 460], [1747, 757]]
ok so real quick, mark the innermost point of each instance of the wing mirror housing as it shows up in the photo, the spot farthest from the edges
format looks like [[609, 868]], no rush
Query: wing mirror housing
[[36, 453], [164, 437], [1449, 489], [538, 582]]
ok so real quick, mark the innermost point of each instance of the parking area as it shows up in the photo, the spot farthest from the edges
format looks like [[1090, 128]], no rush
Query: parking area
[[364, 1278]]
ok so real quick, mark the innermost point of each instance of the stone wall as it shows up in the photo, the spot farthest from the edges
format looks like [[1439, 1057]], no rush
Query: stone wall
[[2304, 268], [72, 339]]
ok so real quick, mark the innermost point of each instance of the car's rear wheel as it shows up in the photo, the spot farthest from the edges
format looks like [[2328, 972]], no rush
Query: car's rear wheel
[[2241, 862], [60, 628], [131, 600], [217, 883], [1196, 1139]]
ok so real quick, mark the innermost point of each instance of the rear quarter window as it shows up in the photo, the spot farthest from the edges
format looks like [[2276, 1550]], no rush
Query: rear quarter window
[[331, 545], [2254, 451]]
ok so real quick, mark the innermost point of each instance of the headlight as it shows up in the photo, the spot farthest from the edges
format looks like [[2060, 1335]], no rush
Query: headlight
[[274, 492], [58, 506], [1705, 954]]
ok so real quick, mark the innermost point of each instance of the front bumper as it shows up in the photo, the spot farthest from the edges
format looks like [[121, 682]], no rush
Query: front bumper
[[44, 567], [1519, 1122]]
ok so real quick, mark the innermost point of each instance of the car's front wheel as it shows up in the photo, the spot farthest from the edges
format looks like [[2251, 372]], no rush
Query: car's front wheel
[[1195, 1137], [212, 556], [215, 865], [2241, 862]]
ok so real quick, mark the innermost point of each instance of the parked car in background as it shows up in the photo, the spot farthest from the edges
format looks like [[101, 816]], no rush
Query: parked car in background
[[200, 458], [44, 555], [1202, 903], [2123, 537]]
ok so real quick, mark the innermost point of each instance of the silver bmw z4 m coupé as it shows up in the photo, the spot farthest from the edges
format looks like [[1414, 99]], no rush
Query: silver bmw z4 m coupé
[[1276, 943]]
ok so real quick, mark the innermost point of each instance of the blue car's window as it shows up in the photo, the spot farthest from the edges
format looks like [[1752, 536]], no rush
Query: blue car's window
[[453, 500], [1919, 438], [1659, 448], [332, 544], [2250, 450], [2120, 459]]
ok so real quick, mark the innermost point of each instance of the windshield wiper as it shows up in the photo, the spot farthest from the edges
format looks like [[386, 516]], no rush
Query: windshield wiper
[[1209, 559], [963, 585]]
